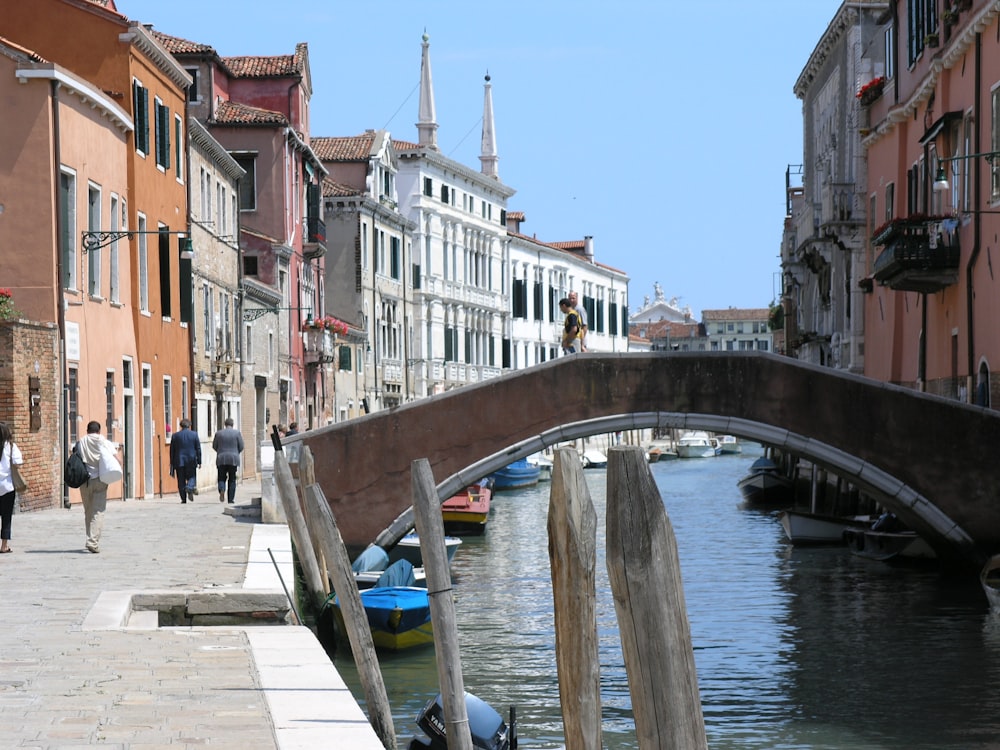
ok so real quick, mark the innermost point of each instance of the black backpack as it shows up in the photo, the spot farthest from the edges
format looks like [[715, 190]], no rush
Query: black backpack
[[76, 473]]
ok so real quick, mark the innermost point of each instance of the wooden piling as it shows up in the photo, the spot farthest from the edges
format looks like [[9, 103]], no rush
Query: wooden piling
[[322, 521], [572, 527], [307, 476], [285, 483], [645, 574], [430, 529]]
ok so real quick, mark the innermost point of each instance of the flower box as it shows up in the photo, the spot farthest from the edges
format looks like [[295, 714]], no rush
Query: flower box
[[871, 90]]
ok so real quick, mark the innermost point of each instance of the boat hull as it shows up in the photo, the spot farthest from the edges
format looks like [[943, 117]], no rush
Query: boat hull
[[802, 527], [989, 577], [466, 513], [515, 476], [887, 545], [399, 617], [695, 445]]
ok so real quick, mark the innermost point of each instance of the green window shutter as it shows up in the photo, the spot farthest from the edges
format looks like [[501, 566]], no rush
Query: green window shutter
[[345, 358]]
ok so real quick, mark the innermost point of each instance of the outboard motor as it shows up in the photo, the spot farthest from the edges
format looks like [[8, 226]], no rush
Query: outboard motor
[[489, 732]]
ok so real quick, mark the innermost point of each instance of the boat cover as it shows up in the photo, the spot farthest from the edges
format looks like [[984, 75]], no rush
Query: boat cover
[[396, 609], [400, 573], [373, 558]]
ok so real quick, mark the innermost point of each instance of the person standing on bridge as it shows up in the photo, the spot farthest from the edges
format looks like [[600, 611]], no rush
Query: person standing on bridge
[[574, 302], [571, 327]]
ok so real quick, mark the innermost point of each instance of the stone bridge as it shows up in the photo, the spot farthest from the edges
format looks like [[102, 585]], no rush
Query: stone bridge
[[929, 459]]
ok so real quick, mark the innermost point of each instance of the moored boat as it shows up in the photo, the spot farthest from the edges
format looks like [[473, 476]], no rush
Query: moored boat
[[465, 513], [728, 445], [887, 539], [515, 475], [594, 459], [764, 484], [408, 548], [544, 464], [804, 527], [399, 617], [989, 577], [695, 444]]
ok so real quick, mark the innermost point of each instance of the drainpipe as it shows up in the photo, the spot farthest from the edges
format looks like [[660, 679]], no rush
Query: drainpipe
[[373, 318], [61, 301], [976, 227]]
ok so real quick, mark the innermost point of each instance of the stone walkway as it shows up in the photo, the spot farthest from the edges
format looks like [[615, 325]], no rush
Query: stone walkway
[[78, 667]]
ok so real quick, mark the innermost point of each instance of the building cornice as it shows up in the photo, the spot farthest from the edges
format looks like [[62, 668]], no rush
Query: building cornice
[[199, 135], [141, 38], [78, 87], [444, 164], [845, 19]]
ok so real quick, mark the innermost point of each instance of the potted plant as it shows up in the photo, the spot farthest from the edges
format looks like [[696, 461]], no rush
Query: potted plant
[[871, 90], [950, 16], [931, 39]]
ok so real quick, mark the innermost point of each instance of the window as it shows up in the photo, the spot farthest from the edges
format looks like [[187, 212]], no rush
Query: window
[[613, 319], [166, 306], [206, 307], [109, 402], [248, 346], [73, 404], [185, 398], [114, 289], [444, 193], [345, 358], [394, 257], [162, 132], [250, 265], [143, 265], [179, 147], [67, 225], [248, 182], [168, 406], [995, 146], [519, 298], [140, 110], [94, 225], [889, 51], [192, 92], [428, 187]]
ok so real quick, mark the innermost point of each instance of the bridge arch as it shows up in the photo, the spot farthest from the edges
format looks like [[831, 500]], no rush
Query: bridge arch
[[928, 457]]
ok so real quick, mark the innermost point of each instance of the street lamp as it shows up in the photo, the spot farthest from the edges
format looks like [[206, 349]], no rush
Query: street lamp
[[92, 240]]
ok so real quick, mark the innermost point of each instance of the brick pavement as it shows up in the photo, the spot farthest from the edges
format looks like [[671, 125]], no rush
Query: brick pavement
[[76, 669]]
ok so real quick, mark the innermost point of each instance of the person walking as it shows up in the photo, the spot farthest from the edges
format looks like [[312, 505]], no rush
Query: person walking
[[94, 492], [571, 327], [574, 302], [228, 445], [293, 429], [10, 456], [185, 460]]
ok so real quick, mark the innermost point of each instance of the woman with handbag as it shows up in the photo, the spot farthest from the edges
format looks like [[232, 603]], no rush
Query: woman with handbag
[[10, 460]]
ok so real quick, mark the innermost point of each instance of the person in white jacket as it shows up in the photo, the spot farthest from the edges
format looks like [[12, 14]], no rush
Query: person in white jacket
[[94, 492], [10, 455]]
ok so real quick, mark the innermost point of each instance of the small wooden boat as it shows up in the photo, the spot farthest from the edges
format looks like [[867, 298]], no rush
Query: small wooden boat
[[399, 617], [989, 577], [515, 476], [466, 513], [764, 484], [804, 527], [887, 539], [408, 548]]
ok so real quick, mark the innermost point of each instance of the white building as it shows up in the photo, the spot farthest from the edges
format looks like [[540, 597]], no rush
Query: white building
[[543, 273], [459, 253]]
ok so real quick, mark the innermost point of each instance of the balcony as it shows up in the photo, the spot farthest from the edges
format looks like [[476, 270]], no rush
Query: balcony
[[315, 239], [918, 255], [319, 346]]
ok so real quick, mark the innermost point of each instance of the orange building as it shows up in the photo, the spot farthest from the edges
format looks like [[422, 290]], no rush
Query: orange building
[[143, 382], [932, 132]]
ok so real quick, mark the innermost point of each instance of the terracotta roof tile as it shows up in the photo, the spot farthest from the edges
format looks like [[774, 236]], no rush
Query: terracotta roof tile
[[349, 148], [29, 54], [733, 313], [333, 189], [268, 66], [404, 145], [177, 46], [516, 215], [234, 113]]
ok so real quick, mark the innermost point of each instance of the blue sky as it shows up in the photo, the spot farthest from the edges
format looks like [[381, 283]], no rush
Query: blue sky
[[662, 129]]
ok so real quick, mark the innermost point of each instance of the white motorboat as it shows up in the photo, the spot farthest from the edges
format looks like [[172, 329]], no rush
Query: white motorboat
[[695, 444], [594, 459], [729, 445]]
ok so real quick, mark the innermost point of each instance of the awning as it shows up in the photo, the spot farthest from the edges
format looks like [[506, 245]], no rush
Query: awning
[[939, 125]]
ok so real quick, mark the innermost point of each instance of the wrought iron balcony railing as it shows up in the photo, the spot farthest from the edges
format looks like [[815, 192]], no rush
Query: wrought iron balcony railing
[[918, 256]]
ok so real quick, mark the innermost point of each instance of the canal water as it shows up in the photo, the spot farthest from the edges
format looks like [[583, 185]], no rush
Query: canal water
[[795, 647]]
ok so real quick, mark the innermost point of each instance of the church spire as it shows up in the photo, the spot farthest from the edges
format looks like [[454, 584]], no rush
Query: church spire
[[427, 124], [488, 155]]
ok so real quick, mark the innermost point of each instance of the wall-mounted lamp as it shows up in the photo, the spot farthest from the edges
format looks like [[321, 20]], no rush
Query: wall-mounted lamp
[[941, 181], [97, 240]]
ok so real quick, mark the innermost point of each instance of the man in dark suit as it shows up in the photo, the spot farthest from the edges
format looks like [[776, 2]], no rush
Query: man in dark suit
[[185, 460]]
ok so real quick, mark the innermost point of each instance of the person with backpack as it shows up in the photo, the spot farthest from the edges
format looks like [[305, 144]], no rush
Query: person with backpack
[[571, 340], [95, 449], [10, 456]]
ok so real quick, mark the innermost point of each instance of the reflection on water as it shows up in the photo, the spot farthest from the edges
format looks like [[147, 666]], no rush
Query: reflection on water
[[795, 648]]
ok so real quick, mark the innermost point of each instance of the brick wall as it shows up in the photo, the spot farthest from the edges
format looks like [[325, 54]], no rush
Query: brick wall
[[31, 350]]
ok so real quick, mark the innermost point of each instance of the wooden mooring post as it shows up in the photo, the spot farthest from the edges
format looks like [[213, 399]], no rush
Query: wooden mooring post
[[572, 527], [645, 574], [307, 476], [430, 529], [324, 526]]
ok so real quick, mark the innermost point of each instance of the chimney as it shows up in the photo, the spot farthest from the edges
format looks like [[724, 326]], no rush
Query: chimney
[[588, 247]]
